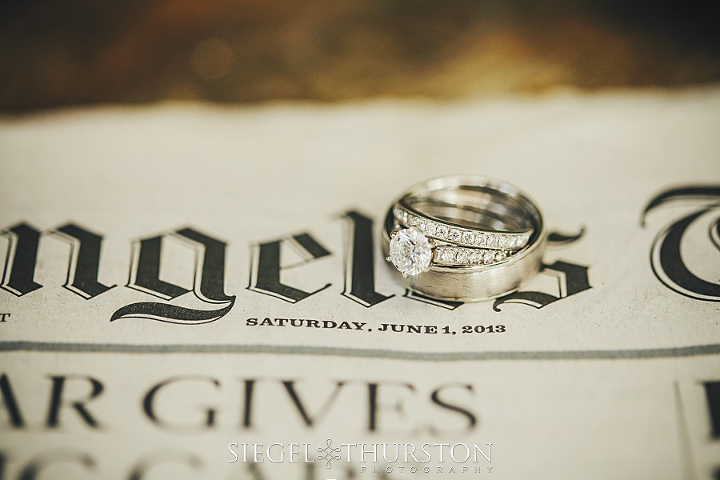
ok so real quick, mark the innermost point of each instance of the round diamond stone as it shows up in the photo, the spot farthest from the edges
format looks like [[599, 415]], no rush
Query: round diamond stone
[[410, 251]]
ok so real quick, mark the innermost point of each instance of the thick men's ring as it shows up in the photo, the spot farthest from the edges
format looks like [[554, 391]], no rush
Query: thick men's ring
[[464, 238]]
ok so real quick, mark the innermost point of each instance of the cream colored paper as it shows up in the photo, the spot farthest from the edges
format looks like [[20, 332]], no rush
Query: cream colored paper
[[608, 382]]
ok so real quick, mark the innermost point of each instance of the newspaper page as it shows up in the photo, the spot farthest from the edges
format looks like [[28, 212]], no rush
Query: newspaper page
[[198, 292]]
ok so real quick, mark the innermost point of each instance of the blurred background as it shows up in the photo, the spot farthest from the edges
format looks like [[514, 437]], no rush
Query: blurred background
[[78, 52]]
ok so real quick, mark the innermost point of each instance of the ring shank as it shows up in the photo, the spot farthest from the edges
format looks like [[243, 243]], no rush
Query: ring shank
[[492, 217], [473, 202]]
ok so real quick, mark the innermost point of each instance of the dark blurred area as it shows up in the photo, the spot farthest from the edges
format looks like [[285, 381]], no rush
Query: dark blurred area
[[77, 52]]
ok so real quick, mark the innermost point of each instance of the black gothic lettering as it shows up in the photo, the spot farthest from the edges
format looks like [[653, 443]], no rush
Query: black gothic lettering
[[208, 285], [84, 261], [21, 259], [360, 261], [559, 238], [145, 270], [573, 277], [83, 265], [666, 259], [266, 267]]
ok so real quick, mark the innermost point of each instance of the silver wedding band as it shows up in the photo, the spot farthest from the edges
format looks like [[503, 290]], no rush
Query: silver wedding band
[[464, 238]]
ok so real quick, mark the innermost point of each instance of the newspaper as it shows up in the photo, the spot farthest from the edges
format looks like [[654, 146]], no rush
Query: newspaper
[[198, 292]]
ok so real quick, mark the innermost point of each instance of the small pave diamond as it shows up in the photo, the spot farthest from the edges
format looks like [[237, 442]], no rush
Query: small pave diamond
[[468, 238], [410, 251], [480, 239], [454, 235], [431, 229], [462, 256], [442, 231], [476, 258], [447, 255]]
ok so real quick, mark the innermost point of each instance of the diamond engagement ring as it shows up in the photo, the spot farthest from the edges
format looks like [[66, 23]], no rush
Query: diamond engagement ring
[[464, 238]]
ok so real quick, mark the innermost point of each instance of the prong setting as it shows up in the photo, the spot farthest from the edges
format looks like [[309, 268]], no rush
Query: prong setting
[[411, 252]]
